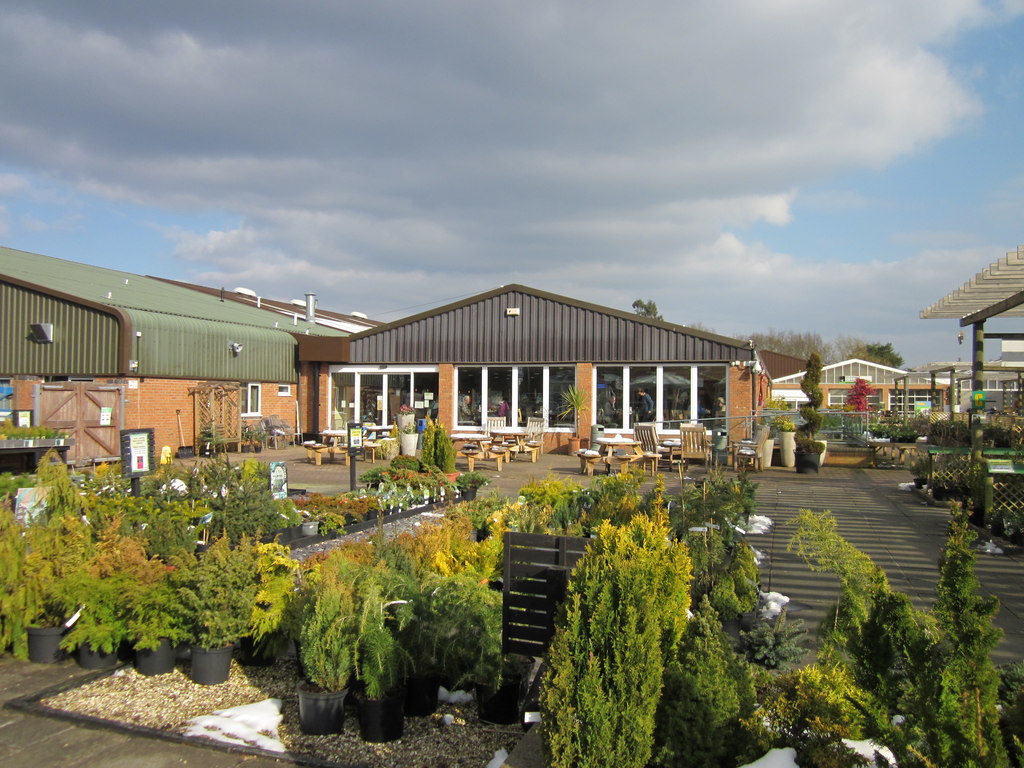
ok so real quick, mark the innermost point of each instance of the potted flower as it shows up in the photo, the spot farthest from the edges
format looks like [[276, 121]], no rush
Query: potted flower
[[218, 592], [327, 647], [469, 483], [786, 431], [405, 418], [407, 434], [808, 450]]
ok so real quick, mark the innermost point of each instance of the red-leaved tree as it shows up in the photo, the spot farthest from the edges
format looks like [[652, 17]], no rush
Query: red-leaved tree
[[857, 397]]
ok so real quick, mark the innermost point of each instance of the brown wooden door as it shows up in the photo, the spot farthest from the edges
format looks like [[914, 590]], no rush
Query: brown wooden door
[[90, 413]]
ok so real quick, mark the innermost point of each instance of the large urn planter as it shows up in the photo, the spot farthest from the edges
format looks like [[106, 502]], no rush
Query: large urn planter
[[211, 666], [807, 463], [787, 449], [381, 720], [44, 644], [766, 452], [157, 661], [408, 443], [321, 712]]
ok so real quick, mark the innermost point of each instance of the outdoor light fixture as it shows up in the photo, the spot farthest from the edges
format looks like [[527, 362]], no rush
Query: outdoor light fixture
[[511, 311], [235, 347], [960, 337]]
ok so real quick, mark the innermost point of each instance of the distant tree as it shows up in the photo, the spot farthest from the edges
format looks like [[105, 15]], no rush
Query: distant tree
[[884, 354], [858, 395], [647, 309], [699, 326], [793, 343]]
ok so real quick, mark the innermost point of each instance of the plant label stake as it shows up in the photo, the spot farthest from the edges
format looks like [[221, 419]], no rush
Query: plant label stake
[[355, 441]]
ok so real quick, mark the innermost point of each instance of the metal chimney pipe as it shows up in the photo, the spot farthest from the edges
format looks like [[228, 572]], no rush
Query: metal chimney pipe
[[310, 307]]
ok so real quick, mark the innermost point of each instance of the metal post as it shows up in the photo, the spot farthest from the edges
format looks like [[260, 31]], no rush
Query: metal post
[[355, 441]]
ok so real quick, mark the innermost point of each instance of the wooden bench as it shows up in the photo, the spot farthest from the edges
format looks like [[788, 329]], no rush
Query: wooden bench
[[587, 461]]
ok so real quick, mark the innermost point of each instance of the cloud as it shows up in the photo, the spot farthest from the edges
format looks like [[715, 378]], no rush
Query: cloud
[[386, 151]]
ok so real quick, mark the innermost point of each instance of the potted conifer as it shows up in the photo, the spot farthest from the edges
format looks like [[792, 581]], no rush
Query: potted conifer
[[809, 450]]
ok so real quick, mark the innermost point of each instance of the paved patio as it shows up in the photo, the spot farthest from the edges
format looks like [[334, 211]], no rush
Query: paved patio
[[896, 528]]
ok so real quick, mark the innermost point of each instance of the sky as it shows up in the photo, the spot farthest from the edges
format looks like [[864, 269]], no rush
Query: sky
[[828, 166]]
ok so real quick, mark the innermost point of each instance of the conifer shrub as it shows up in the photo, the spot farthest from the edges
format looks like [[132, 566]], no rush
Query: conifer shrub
[[774, 644], [621, 622], [708, 692]]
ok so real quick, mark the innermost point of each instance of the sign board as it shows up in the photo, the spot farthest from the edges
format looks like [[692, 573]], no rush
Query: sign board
[[355, 437], [279, 480], [1004, 467], [23, 418], [138, 452]]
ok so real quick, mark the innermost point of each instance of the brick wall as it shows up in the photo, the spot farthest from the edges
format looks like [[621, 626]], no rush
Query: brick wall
[[446, 395]]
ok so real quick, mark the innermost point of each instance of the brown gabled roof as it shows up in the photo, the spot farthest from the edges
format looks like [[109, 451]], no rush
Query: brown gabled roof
[[515, 288], [780, 365]]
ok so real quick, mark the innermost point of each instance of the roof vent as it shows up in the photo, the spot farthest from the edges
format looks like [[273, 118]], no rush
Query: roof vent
[[246, 292], [298, 302], [359, 314], [310, 307]]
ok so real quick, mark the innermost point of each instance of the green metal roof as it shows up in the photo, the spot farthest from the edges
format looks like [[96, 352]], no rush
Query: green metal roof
[[184, 333], [141, 297]]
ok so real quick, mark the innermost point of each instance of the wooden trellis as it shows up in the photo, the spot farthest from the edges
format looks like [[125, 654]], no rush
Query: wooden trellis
[[217, 407]]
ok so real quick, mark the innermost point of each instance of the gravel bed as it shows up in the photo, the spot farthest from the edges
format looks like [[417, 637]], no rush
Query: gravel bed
[[167, 702]]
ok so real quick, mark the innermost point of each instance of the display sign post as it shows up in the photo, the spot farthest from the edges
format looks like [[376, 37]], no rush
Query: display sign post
[[355, 442], [138, 455]]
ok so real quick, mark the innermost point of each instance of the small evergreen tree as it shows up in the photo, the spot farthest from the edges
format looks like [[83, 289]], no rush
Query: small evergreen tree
[[811, 386], [623, 617], [708, 691]]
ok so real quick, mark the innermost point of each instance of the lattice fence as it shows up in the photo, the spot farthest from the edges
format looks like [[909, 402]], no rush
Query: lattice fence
[[217, 407]]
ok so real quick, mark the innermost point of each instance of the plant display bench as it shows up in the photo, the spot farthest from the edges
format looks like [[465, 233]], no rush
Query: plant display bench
[[24, 455]]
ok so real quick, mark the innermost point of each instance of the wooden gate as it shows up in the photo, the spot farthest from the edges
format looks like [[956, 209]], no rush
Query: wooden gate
[[90, 413]]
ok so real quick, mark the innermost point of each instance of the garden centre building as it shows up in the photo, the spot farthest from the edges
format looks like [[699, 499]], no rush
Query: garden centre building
[[514, 351], [93, 350]]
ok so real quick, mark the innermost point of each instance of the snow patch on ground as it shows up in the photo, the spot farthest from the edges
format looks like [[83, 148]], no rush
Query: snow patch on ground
[[776, 758], [759, 524], [453, 697], [867, 749], [252, 725], [498, 760], [759, 556], [772, 604], [988, 548], [906, 486]]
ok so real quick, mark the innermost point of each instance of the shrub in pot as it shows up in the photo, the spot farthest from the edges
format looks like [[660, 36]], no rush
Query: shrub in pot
[[380, 659], [102, 589], [469, 483], [218, 592], [806, 445], [327, 646], [277, 608], [156, 621]]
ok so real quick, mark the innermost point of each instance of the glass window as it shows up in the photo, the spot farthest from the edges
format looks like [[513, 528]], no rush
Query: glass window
[[560, 378], [711, 402], [399, 392], [424, 398], [343, 399], [284, 390], [643, 393], [609, 397], [371, 398], [675, 397], [499, 392], [470, 391], [250, 400], [531, 394]]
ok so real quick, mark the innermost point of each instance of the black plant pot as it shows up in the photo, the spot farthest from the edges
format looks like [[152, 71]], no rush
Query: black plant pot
[[158, 661], [807, 463], [421, 696], [381, 720], [321, 712], [252, 655], [468, 494], [977, 516], [44, 644], [919, 482], [211, 666], [998, 527], [499, 705], [89, 658]]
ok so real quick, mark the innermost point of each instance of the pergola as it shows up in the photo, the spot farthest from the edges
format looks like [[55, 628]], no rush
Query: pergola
[[996, 291]]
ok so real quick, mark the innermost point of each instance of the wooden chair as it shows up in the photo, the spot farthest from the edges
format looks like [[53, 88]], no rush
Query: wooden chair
[[747, 453], [652, 454], [501, 444], [533, 444], [277, 428], [694, 444]]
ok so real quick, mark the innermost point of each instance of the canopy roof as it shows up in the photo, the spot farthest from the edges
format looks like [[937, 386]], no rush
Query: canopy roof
[[998, 290]]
